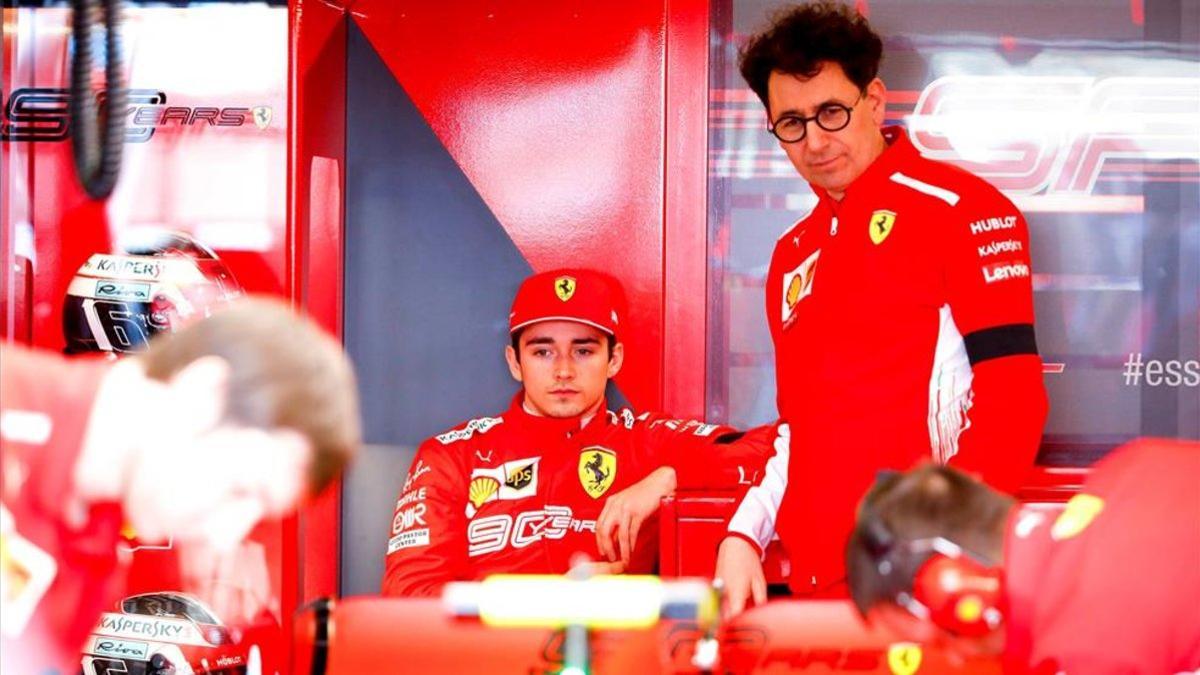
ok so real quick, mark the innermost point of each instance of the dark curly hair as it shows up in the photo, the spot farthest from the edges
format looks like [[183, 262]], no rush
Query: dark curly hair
[[801, 38]]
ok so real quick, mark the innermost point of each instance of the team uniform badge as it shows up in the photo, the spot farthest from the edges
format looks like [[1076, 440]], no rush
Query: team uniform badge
[[882, 223], [597, 470]]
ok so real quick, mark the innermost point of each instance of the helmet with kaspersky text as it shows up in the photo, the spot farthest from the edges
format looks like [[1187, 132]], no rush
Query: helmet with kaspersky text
[[117, 302]]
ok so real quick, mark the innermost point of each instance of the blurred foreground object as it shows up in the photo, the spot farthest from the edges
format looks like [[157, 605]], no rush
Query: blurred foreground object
[[1107, 585], [233, 419]]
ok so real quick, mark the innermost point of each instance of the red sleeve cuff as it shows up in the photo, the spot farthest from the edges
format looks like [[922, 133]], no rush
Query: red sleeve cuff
[[747, 539]]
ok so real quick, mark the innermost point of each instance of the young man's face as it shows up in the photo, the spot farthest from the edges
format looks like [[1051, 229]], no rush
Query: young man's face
[[564, 366], [830, 159]]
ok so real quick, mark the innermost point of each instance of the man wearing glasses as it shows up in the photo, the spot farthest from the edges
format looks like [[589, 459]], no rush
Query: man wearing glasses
[[901, 309]]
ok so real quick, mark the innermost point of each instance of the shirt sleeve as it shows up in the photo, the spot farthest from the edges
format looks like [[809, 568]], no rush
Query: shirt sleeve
[[754, 520], [427, 544], [708, 455], [989, 282]]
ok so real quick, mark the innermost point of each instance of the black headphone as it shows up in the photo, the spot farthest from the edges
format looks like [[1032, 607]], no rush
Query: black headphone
[[952, 587]]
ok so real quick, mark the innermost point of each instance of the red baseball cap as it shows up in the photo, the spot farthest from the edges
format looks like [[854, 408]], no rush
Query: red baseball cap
[[585, 296]]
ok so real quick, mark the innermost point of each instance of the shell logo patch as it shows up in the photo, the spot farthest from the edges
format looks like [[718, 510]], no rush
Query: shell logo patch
[[1080, 512], [510, 481], [597, 470], [904, 658], [882, 222], [564, 288], [482, 489], [798, 284]]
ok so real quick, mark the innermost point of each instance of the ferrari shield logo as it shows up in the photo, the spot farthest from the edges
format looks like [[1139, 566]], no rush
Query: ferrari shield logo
[[904, 658], [881, 226], [564, 288], [262, 116], [597, 470]]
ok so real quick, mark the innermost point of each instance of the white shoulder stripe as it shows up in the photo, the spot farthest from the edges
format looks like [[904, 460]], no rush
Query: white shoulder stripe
[[931, 190], [755, 516]]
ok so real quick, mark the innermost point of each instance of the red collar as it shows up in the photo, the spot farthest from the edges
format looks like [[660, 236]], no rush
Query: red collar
[[558, 426], [899, 152]]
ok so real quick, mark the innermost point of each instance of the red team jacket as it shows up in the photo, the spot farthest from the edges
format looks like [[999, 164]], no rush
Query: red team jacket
[[889, 310], [520, 493], [1112, 585], [59, 568]]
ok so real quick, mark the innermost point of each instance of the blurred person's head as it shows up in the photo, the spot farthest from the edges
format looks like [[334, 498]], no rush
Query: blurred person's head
[[924, 558], [564, 347], [232, 419], [815, 68]]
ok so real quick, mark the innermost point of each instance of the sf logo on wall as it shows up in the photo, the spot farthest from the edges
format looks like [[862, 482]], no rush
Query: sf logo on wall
[[42, 114]]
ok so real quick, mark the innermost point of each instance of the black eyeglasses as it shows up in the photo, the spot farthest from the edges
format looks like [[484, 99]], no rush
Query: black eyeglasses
[[830, 117]]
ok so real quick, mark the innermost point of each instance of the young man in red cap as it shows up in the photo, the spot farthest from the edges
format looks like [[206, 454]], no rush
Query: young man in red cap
[[1109, 585], [557, 474]]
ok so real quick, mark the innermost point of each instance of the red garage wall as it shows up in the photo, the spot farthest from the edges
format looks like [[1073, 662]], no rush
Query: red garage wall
[[561, 116]]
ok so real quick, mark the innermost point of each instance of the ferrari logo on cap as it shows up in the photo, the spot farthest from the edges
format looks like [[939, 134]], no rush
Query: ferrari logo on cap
[[904, 658], [597, 470], [564, 288], [881, 226], [262, 116]]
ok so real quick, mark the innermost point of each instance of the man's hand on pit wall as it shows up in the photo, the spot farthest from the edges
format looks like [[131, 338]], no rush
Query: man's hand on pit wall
[[740, 570], [623, 513]]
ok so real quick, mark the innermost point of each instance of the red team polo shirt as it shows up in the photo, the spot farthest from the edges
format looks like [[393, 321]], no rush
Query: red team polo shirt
[[520, 493], [57, 566], [888, 310], [1113, 584]]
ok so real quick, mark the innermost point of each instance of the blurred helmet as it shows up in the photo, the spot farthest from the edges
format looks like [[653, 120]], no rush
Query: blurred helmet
[[117, 302]]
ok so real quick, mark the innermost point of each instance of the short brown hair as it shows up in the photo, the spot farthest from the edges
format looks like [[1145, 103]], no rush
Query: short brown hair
[[801, 38], [284, 372], [927, 502]]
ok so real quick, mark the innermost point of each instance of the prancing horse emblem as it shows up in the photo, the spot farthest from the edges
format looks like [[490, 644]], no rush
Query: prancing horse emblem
[[597, 470], [564, 288], [881, 225]]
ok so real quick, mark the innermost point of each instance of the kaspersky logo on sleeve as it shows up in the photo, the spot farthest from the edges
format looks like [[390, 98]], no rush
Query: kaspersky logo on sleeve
[[509, 481]]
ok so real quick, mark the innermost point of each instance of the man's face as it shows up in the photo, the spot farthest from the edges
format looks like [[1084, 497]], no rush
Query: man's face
[[200, 478], [830, 159], [564, 366]]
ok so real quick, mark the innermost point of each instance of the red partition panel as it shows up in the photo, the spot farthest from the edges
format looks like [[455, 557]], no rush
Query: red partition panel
[[555, 113], [316, 159]]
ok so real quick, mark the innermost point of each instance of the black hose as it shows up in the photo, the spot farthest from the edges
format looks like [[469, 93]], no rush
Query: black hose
[[97, 151]]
